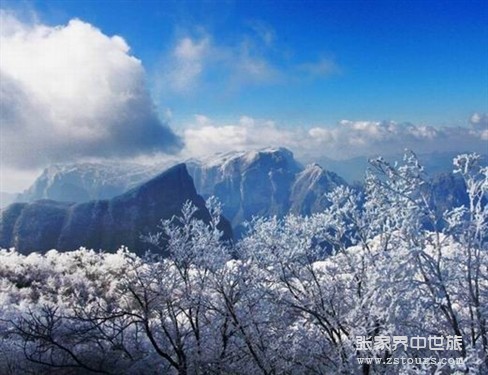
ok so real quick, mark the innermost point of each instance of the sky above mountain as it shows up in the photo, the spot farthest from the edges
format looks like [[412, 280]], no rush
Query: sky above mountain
[[133, 79]]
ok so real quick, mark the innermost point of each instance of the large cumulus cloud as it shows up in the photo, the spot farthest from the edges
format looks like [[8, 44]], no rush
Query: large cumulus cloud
[[71, 92]]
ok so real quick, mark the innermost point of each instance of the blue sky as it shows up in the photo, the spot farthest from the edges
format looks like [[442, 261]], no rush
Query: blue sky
[[415, 61], [138, 80]]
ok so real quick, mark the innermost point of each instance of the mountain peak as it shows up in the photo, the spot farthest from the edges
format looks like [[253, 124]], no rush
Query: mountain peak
[[244, 157], [262, 182], [102, 224], [278, 153], [82, 182], [314, 167], [176, 175]]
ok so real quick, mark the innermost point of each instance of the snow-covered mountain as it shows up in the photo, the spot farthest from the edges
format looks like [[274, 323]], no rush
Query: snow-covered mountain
[[87, 181], [262, 182], [309, 187], [266, 182], [102, 224]]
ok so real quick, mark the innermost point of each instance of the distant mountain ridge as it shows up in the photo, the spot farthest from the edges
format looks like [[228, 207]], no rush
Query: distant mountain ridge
[[263, 182], [83, 182], [308, 191], [102, 224], [249, 183], [266, 182]]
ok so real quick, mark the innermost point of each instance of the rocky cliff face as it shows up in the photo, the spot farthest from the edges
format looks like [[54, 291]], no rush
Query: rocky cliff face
[[262, 183], [255, 183], [101, 224], [309, 189]]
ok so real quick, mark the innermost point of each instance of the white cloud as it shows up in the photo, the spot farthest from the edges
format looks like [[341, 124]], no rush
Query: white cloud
[[187, 63], [345, 140], [251, 60], [189, 50], [205, 137], [71, 92], [479, 120], [194, 62], [363, 138]]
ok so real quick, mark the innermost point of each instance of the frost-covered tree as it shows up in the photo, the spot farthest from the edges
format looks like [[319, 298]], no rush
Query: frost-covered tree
[[292, 297]]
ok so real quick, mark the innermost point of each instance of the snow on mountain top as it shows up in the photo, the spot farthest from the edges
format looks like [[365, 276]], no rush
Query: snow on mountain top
[[312, 172], [313, 168], [85, 181], [247, 157]]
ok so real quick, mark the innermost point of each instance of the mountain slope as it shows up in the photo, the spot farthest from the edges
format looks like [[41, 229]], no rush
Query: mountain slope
[[83, 182], [309, 188], [101, 224], [255, 183], [262, 183]]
